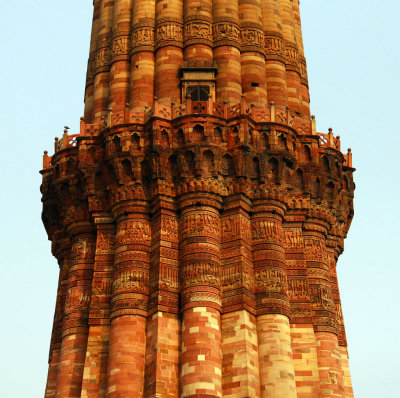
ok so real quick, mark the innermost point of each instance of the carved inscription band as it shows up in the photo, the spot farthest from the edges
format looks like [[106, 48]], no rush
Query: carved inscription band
[[173, 33]]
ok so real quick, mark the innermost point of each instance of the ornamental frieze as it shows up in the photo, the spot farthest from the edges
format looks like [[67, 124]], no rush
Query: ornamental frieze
[[199, 273], [314, 249], [166, 252], [169, 277], [131, 280], [163, 299], [78, 298], [260, 255], [142, 36], [271, 280], [123, 255], [73, 323], [200, 248], [293, 240], [91, 68], [169, 228], [128, 305], [103, 57], [252, 37], [226, 33], [200, 224], [303, 69], [199, 30], [103, 53], [274, 47], [169, 33], [233, 227], [208, 297], [102, 287], [291, 56], [120, 47], [237, 276], [131, 231], [321, 298], [267, 230], [81, 250], [298, 289], [104, 243]]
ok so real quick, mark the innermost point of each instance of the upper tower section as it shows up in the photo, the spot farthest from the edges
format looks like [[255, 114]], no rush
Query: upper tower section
[[172, 50], [214, 91]]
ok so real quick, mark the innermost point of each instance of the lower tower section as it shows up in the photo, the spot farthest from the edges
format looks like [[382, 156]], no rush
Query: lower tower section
[[197, 251]]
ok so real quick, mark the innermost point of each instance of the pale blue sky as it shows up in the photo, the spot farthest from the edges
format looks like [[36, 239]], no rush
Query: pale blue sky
[[352, 48]]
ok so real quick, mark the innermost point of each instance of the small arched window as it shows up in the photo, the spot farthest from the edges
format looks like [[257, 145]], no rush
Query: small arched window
[[198, 93]]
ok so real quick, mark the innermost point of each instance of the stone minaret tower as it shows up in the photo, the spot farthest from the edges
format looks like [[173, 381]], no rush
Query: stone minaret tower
[[198, 216]]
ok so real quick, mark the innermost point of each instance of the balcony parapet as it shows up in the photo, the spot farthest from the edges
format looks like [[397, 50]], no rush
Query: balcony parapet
[[330, 141], [273, 114]]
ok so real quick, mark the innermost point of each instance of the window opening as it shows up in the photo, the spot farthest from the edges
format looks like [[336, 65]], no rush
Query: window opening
[[199, 93]]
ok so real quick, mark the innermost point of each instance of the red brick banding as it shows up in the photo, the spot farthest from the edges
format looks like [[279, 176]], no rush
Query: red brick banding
[[126, 362], [201, 297], [197, 236], [75, 323], [96, 362]]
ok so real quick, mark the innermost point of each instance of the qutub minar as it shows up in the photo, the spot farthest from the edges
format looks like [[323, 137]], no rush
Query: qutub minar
[[198, 216]]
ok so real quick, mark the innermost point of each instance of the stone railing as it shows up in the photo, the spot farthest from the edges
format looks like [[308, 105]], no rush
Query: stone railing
[[329, 140], [66, 141], [273, 114]]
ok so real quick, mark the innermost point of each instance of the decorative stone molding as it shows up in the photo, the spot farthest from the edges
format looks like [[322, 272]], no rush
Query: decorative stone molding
[[142, 38], [168, 33], [252, 37], [292, 57], [274, 47], [226, 33], [198, 32], [120, 46]]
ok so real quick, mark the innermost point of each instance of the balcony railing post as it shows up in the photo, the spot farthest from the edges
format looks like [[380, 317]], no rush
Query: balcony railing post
[[210, 105], [330, 139], [313, 125], [189, 109], [272, 104], [82, 126]]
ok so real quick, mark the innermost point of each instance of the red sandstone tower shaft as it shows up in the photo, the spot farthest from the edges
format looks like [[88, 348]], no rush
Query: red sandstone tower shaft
[[198, 217]]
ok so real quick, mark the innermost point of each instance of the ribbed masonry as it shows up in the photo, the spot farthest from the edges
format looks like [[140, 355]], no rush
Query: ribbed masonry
[[198, 216]]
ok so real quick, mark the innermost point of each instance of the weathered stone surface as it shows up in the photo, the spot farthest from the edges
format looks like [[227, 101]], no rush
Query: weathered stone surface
[[198, 216]]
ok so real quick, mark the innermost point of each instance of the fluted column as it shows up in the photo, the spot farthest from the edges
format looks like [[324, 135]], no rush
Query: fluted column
[[200, 296], [75, 324], [304, 343], [291, 55], [95, 372], [126, 360], [274, 52], [120, 63], [63, 255], [227, 40], [334, 247], [169, 54], [273, 327], [163, 324], [102, 65], [252, 54], [238, 320], [91, 69], [348, 388], [304, 91], [197, 30], [315, 231], [142, 55]]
